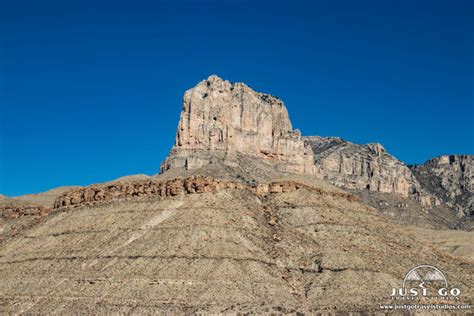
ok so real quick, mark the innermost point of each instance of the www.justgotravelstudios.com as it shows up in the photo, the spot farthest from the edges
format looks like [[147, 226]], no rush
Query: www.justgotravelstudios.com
[[425, 307]]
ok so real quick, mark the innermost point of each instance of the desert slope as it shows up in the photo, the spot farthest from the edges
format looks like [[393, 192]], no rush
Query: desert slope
[[306, 249]]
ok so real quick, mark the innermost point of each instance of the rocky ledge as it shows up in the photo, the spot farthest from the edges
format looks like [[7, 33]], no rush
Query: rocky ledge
[[15, 211], [102, 193]]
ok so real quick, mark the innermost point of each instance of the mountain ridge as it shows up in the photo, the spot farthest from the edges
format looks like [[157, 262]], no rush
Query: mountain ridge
[[229, 126]]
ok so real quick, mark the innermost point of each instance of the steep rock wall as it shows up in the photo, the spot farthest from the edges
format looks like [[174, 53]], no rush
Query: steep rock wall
[[220, 118]]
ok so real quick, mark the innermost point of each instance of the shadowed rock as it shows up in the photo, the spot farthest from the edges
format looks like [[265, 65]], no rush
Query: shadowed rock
[[451, 179]]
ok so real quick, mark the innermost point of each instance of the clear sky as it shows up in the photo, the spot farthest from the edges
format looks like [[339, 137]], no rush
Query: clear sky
[[92, 90]]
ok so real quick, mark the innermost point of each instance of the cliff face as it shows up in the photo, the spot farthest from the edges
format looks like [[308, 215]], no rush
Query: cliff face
[[220, 119], [362, 167], [439, 191], [451, 179]]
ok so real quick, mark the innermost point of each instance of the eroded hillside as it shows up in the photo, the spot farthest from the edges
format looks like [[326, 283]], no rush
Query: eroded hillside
[[229, 249]]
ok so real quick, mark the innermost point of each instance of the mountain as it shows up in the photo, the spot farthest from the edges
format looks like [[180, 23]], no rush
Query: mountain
[[229, 126], [242, 218]]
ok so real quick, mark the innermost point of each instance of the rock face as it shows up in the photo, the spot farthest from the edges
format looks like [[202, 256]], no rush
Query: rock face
[[451, 179], [362, 167], [438, 193], [220, 119]]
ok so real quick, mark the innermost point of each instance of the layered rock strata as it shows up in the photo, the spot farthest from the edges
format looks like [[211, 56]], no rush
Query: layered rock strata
[[101, 193], [13, 211], [363, 167]]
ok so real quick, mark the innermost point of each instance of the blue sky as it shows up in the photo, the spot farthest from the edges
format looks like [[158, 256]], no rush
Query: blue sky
[[92, 90]]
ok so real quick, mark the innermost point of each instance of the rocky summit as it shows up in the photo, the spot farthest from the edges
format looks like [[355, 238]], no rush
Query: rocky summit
[[220, 119], [246, 216]]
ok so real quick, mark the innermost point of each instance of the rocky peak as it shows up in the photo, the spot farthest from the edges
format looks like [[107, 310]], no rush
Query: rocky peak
[[220, 119]]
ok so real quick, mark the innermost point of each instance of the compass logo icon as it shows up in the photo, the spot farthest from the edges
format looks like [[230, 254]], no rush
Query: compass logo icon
[[423, 274]]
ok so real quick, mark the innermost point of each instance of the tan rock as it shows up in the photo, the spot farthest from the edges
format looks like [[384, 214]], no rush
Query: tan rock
[[363, 167], [275, 188], [104, 193], [220, 118]]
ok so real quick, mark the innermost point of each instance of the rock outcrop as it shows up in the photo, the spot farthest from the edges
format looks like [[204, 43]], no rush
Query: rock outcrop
[[220, 119], [117, 191], [20, 213], [451, 179], [363, 167], [15, 211], [16, 217]]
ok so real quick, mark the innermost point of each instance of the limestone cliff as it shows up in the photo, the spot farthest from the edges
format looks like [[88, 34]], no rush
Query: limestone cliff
[[451, 179], [362, 167], [220, 119], [439, 192]]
